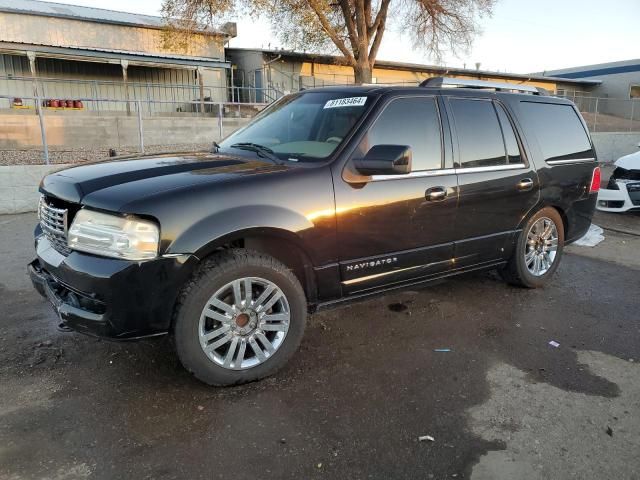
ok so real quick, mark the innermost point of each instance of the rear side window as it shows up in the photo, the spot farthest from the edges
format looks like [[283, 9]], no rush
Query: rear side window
[[479, 133], [558, 129], [412, 121]]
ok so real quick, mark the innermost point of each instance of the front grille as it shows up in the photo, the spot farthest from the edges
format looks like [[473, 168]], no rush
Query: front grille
[[634, 193], [54, 225]]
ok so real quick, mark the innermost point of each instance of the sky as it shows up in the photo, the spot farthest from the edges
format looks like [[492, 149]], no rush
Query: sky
[[520, 37]]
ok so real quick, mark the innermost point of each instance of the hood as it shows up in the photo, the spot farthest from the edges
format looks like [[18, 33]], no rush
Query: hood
[[111, 184], [629, 162]]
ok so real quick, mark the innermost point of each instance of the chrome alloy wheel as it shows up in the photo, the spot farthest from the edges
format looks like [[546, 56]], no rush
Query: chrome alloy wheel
[[244, 323], [542, 246]]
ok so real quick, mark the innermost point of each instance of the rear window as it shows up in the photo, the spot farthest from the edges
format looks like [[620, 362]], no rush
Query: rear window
[[558, 129]]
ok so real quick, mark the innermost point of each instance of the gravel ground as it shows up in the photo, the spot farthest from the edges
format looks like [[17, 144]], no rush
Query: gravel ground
[[79, 155]]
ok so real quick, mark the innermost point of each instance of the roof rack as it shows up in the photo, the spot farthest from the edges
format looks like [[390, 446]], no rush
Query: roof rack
[[447, 82]]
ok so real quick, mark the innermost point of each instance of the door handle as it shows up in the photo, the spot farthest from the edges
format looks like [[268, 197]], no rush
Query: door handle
[[435, 194], [525, 185]]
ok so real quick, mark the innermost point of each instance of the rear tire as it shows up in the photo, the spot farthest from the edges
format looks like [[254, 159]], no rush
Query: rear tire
[[538, 250], [239, 319]]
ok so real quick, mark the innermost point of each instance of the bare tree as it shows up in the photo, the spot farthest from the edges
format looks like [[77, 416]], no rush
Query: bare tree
[[354, 28]]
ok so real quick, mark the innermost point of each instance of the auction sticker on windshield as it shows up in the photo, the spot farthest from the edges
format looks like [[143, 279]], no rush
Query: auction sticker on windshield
[[346, 102]]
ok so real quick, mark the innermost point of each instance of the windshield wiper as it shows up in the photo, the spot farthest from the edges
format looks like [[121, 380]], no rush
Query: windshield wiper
[[261, 150]]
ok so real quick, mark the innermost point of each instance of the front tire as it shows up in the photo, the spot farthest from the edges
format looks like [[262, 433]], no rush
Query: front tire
[[239, 319], [538, 250]]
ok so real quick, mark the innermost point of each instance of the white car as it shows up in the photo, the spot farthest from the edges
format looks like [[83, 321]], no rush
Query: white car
[[623, 190]]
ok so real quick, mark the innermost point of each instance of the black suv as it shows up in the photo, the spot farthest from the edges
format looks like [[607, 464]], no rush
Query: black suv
[[328, 195]]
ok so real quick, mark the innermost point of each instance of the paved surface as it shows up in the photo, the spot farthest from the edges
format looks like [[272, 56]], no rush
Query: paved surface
[[502, 404]]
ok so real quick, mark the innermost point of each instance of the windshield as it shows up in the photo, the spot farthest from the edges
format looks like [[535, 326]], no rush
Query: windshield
[[306, 126]]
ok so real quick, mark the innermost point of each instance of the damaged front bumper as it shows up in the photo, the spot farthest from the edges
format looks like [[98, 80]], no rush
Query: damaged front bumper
[[106, 297], [73, 308]]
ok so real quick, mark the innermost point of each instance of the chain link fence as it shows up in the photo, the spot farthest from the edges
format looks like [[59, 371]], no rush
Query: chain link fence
[[608, 114], [35, 131], [155, 97]]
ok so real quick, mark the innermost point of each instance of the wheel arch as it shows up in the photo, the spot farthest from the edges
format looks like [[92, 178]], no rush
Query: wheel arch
[[565, 219], [561, 211], [285, 246]]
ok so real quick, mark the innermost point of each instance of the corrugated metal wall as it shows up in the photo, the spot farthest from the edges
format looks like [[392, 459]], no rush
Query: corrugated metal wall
[[13, 65], [62, 79]]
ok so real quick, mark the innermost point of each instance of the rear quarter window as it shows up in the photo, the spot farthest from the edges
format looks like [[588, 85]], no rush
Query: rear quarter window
[[558, 129]]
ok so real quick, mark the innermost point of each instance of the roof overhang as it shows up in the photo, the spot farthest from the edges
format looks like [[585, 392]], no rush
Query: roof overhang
[[102, 55], [97, 15]]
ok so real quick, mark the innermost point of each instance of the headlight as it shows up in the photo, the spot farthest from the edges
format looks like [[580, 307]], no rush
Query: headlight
[[113, 236]]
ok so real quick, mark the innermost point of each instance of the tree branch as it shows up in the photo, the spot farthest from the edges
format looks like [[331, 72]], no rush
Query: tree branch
[[354, 27], [380, 22], [351, 27], [382, 12], [367, 15], [362, 54], [331, 32], [361, 22]]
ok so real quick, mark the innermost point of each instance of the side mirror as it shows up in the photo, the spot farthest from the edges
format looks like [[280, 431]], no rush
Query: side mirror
[[385, 160]]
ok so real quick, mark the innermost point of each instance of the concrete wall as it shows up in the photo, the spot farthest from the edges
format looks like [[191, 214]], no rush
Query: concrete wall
[[19, 184], [611, 146], [19, 187], [71, 131], [62, 32]]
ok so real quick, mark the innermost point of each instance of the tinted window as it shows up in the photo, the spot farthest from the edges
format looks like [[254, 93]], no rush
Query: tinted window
[[409, 121], [511, 144], [558, 129], [479, 134]]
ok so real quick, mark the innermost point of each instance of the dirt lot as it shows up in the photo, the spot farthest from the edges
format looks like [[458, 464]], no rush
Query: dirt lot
[[80, 155], [502, 404]]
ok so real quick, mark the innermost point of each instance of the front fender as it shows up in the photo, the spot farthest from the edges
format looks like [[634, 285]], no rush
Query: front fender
[[210, 232]]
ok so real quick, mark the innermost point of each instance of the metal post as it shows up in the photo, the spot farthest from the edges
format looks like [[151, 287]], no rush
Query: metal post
[[201, 85], [125, 79], [148, 99], [140, 132], [34, 72], [595, 117], [631, 120], [220, 120], [232, 93], [94, 87], [43, 132]]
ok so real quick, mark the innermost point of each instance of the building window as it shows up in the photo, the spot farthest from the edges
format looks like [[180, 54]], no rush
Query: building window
[[634, 91]]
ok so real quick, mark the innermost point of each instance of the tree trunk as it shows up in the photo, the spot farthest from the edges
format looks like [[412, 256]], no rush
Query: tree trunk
[[362, 72]]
